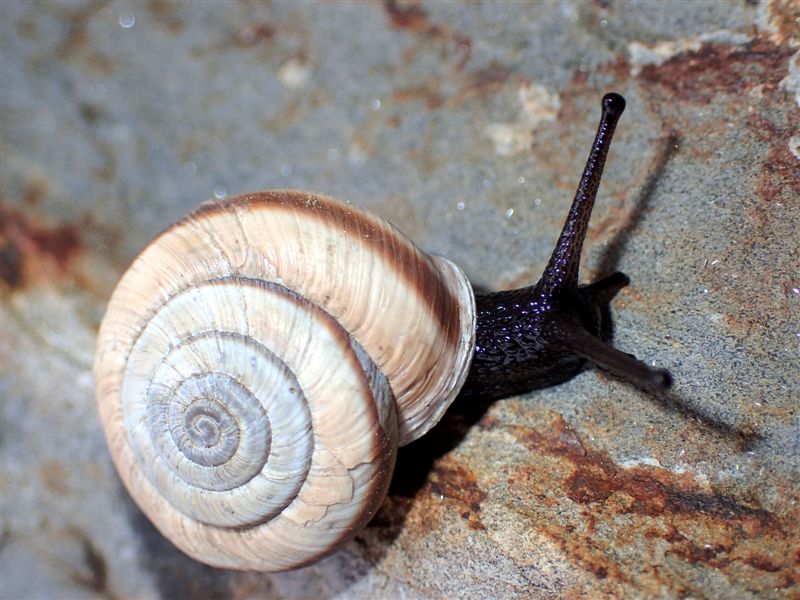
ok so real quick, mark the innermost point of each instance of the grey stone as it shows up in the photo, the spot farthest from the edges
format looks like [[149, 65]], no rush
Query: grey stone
[[467, 125]]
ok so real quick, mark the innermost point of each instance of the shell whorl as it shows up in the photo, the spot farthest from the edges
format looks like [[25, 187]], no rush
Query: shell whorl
[[260, 361]]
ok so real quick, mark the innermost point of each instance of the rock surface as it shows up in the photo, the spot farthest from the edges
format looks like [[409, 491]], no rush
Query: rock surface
[[467, 126]]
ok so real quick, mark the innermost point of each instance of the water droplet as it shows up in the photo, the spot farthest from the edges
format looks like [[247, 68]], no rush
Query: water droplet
[[286, 170], [537, 201], [509, 213], [460, 205], [220, 192], [127, 20], [333, 153], [521, 180], [487, 183], [98, 91], [190, 168], [376, 104]]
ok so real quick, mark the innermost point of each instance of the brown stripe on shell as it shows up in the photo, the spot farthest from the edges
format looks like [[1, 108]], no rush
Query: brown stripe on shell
[[371, 230], [388, 451], [379, 485]]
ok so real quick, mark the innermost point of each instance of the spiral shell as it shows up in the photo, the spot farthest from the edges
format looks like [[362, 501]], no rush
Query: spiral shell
[[260, 362]]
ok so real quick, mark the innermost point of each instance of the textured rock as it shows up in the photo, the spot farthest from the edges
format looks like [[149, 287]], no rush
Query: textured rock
[[467, 126]]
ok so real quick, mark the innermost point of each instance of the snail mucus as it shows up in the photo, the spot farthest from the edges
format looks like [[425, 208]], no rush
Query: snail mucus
[[263, 358]]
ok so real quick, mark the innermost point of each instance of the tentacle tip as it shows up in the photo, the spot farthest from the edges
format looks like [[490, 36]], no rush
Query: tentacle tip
[[660, 380], [613, 104]]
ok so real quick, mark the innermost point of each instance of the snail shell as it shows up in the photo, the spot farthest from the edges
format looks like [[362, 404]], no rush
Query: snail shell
[[260, 362]]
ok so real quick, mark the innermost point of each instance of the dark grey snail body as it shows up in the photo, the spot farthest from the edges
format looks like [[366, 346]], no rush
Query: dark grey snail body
[[541, 335]]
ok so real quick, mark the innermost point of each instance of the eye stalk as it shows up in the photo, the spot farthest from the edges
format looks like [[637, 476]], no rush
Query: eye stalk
[[541, 335]]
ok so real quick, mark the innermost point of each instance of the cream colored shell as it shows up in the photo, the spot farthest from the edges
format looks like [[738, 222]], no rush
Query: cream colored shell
[[258, 365]]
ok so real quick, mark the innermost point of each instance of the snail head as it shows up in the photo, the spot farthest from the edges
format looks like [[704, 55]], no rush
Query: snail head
[[541, 335]]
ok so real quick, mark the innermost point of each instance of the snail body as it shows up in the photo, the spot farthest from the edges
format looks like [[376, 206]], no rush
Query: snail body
[[262, 359]]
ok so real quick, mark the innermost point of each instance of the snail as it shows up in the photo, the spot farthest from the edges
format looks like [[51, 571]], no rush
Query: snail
[[262, 359]]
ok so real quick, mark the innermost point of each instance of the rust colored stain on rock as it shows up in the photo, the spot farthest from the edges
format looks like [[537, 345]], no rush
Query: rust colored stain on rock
[[699, 526], [413, 17], [650, 491], [483, 82], [452, 89], [432, 97], [449, 489], [479, 83], [716, 68], [166, 14], [763, 563], [54, 477], [781, 170], [77, 43], [28, 251], [457, 483], [410, 16]]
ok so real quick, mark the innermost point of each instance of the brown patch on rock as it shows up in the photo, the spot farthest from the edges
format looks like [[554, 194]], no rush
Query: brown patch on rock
[[438, 89], [166, 14], [54, 477], [489, 423], [763, 563], [29, 251], [780, 179], [413, 17], [481, 83], [449, 490], [716, 68], [77, 43], [644, 509], [34, 192], [454, 482], [428, 93], [646, 490], [409, 16]]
